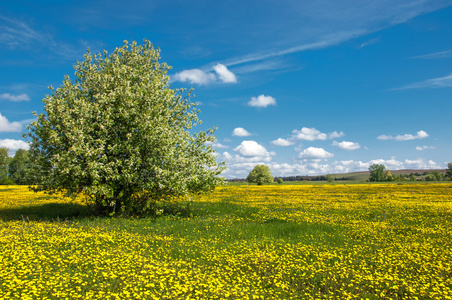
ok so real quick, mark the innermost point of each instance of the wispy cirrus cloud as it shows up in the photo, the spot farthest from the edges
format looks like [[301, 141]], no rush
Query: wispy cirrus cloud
[[436, 55], [15, 33], [422, 148], [439, 82], [369, 42]]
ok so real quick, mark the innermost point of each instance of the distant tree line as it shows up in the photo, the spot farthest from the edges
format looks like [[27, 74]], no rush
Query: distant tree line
[[379, 173], [16, 169]]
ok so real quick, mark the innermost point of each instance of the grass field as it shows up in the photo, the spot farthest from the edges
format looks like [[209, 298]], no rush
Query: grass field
[[374, 241]]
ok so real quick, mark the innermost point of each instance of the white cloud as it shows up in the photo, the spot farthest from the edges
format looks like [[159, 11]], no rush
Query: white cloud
[[15, 33], [14, 145], [239, 167], [217, 145], [315, 153], [335, 134], [7, 126], [251, 148], [224, 74], [15, 98], [198, 76], [405, 137], [348, 146], [422, 148], [309, 134], [421, 164], [369, 42], [282, 142], [262, 101], [249, 154], [445, 81], [436, 55], [391, 164], [195, 76], [239, 131]]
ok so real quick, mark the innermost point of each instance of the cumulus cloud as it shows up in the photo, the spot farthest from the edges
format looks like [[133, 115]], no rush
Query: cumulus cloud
[[239, 131], [248, 154], [251, 148], [282, 142], [405, 137], [421, 164], [198, 76], [15, 98], [195, 76], [309, 134], [422, 148], [262, 101], [13, 145], [315, 153], [348, 146], [239, 167], [335, 134], [224, 74], [7, 126]]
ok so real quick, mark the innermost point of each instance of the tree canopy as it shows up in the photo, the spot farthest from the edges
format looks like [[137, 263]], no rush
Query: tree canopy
[[449, 171], [261, 174], [19, 167], [378, 172], [121, 135], [4, 163]]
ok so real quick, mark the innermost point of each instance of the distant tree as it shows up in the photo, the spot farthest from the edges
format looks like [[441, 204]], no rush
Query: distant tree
[[412, 177], [330, 178], [18, 167], [388, 176], [261, 174], [430, 177], [377, 172], [4, 163], [438, 175], [119, 134], [449, 171], [280, 180]]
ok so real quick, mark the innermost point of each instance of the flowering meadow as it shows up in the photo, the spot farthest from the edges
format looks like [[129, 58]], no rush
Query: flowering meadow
[[354, 241]]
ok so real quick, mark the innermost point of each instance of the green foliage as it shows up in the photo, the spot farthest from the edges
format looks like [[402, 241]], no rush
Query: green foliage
[[4, 162], [19, 167], [438, 176], [121, 135], [449, 171], [261, 174], [329, 178], [378, 173], [280, 180]]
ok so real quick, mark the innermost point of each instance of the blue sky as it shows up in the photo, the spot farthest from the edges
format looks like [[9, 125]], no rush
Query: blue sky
[[306, 87]]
